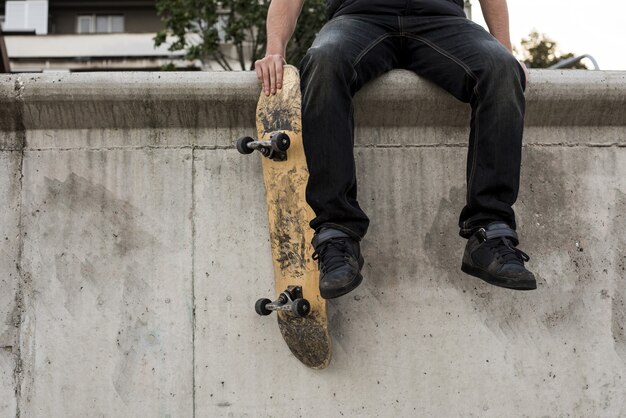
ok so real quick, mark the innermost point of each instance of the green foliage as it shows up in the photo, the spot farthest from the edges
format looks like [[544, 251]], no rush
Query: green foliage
[[193, 26], [539, 51], [168, 67]]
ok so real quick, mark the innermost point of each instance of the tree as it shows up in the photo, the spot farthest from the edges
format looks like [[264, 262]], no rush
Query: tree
[[539, 51], [201, 27]]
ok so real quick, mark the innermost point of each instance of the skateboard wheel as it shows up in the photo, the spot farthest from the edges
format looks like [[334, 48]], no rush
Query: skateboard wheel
[[260, 308], [301, 307], [281, 142], [242, 145]]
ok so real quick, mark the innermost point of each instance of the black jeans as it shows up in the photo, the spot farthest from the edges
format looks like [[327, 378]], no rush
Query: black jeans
[[454, 53]]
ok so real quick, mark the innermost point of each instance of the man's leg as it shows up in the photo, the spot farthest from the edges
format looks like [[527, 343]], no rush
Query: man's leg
[[348, 52], [468, 62]]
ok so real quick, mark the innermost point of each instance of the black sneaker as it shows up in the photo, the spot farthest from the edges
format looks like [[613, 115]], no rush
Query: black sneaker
[[340, 262], [490, 255]]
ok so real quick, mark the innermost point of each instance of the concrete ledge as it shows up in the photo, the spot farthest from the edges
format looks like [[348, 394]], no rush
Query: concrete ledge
[[214, 104]]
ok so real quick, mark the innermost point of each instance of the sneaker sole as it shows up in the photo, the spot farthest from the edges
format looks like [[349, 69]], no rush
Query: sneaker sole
[[335, 293], [497, 281], [332, 294]]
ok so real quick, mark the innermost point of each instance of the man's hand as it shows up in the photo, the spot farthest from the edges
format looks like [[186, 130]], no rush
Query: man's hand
[[282, 16], [269, 71], [526, 72]]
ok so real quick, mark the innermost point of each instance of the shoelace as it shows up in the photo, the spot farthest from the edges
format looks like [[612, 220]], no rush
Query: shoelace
[[505, 249], [331, 254]]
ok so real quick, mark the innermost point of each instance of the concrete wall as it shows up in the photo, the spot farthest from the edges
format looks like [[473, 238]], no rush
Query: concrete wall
[[134, 244]]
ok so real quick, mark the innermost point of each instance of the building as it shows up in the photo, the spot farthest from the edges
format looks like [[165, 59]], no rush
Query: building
[[85, 35]]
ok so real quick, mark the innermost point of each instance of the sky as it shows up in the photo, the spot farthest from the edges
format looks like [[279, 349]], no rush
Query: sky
[[594, 27]]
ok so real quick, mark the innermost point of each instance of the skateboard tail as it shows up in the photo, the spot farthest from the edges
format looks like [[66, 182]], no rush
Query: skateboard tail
[[307, 339]]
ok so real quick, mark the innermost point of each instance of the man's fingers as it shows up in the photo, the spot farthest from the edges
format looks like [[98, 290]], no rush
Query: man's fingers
[[278, 65], [266, 80], [272, 71]]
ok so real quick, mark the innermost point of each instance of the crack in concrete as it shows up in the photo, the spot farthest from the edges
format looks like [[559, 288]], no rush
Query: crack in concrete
[[193, 283], [19, 296], [133, 148], [387, 146], [580, 145], [19, 300], [361, 146], [464, 145]]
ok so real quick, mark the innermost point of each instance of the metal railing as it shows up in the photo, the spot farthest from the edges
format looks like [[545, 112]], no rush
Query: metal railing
[[571, 61]]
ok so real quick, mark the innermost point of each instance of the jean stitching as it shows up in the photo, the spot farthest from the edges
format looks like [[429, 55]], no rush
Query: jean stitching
[[469, 72], [365, 51], [369, 48], [444, 53]]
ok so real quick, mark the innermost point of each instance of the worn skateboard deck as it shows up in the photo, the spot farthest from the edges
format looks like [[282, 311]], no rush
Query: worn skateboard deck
[[289, 215]]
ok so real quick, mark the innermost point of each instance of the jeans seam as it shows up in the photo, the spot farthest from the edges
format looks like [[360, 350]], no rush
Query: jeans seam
[[444, 53], [369, 48], [469, 72]]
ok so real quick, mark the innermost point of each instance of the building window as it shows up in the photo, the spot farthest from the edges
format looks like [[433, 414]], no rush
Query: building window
[[100, 24], [85, 24]]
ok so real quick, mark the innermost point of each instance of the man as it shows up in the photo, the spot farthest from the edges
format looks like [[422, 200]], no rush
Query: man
[[366, 38]]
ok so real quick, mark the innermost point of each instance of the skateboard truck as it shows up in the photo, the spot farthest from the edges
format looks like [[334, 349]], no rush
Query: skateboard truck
[[275, 148], [290, 300]]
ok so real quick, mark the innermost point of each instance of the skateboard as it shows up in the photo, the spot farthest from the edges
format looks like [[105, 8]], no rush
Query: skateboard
[[300, 309]]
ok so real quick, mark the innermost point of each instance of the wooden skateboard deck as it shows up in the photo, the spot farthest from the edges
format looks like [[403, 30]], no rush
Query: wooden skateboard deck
[[288, 214]]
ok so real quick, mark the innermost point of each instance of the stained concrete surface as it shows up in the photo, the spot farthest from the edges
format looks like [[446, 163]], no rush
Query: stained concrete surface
[[108, 251], [145, 245], [419, 338]]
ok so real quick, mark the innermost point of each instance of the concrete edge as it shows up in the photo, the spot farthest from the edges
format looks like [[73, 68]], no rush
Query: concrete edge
[[226, 100]]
